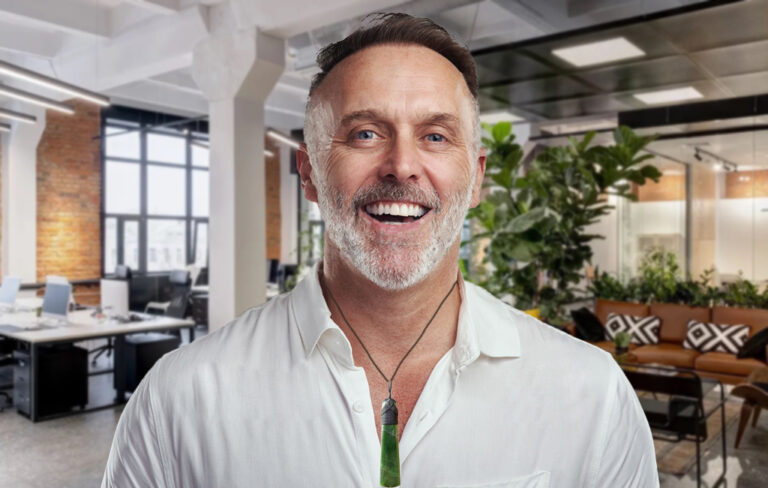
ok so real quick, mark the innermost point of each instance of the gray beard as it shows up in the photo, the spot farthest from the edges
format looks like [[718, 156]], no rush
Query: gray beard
[[391, 263]]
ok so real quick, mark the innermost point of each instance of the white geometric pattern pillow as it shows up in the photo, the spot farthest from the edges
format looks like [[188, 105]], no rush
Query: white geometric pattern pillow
[[644, 330], [708, 337]]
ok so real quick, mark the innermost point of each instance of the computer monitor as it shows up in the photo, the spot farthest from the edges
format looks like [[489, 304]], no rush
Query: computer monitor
[[9, 290], [122, 272], [56, 300], [114, 297]]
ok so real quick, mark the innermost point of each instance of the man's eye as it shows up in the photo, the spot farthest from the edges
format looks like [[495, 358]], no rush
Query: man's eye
[[365, 135], [435, 138]]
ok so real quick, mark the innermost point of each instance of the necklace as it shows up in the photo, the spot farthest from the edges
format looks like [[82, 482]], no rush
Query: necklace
[[390, 452]]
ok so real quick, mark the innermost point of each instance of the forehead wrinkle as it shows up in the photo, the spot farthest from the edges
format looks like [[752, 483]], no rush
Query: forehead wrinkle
[[424, 118]]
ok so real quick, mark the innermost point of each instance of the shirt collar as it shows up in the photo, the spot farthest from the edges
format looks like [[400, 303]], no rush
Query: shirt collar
[[486, 325], [310, 310]]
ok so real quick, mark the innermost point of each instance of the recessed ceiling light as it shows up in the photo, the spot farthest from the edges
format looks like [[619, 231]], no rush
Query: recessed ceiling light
[[599, 52], [499, 116], [668, 96]]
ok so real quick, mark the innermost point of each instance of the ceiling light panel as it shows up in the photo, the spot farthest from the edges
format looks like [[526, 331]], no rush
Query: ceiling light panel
[[35, 99], [277, 136], [53, 84], [600, 52], [669, 96], [10, 114]]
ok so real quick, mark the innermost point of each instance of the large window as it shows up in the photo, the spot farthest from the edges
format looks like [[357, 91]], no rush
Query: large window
[[155, 192]]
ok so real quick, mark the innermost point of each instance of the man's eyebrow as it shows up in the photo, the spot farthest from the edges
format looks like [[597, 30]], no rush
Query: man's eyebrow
[[440, 118], [360, 115], [426, 118]]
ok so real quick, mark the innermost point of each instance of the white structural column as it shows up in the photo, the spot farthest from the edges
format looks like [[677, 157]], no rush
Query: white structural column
[[19, 167], [289, 209], [236, 70]]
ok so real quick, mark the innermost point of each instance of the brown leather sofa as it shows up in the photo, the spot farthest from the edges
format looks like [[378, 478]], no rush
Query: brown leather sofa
[[674, 325]]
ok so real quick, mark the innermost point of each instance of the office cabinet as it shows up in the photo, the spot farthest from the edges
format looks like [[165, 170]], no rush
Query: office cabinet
[[136, 354], [61, 380]]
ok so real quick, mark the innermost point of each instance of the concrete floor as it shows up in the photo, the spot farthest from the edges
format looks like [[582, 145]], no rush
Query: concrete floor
[[71, 452]]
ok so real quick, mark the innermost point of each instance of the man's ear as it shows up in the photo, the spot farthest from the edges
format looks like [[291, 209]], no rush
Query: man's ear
[[479, 177], [305, 173]]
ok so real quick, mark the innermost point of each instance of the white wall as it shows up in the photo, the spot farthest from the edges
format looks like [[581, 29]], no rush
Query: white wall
[[742, 234], [19, 198]]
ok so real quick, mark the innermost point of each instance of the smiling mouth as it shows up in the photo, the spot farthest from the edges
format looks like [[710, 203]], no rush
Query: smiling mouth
[[396, 212]]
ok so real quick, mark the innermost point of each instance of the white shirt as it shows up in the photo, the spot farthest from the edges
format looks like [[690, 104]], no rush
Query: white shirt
[[274, 400]]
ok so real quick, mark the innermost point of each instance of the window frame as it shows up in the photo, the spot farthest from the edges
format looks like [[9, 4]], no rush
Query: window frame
[[149, 122]]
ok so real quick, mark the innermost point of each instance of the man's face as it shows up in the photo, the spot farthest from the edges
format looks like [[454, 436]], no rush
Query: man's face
[[397, 170]]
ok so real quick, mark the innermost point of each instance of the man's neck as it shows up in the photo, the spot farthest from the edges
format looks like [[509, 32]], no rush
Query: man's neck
[[389, 322]]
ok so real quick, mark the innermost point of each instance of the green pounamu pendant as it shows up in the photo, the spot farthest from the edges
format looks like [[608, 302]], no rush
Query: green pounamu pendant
[[390, 452]]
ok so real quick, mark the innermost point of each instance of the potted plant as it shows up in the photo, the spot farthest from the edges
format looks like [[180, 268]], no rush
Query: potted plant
[[535, 221], [622, 340]]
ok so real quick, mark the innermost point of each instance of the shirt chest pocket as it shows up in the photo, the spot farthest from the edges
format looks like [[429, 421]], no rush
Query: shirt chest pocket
[[539, 479]]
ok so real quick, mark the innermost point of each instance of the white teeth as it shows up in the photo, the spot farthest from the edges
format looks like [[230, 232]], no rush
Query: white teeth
[[395, 209]]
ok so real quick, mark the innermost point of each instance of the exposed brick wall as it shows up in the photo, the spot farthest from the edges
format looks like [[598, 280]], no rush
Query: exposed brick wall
[[272, 185], [69, 195]]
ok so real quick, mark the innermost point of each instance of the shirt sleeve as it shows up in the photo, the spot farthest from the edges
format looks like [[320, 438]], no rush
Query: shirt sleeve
[[627, 458], [135, 457]]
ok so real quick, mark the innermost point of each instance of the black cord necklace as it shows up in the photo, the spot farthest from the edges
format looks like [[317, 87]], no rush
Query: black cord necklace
[[390, 451]]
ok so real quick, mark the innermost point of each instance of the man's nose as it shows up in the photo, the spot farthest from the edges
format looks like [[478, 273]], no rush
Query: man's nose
[[402, 162]]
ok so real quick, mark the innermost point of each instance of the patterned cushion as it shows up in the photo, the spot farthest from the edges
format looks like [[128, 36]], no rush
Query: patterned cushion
[[644, 330], [709, 337]]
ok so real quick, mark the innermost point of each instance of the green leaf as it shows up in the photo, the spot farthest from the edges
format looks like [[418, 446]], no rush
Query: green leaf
[[525, 221], [500, 131]]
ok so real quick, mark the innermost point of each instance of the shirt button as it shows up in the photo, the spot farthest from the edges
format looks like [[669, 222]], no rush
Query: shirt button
[[358, 406]]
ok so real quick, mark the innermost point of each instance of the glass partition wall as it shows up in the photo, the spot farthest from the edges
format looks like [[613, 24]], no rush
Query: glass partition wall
[[727, 174], [709, 208], [656, 220]]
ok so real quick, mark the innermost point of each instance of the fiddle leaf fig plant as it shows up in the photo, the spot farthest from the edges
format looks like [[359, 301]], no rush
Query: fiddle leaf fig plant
[[535, 219]]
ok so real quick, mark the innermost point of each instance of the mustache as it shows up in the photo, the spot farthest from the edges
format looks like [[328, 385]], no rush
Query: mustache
[[388, 190]]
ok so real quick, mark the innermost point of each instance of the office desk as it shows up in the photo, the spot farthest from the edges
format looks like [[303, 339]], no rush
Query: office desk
[[80, 326]]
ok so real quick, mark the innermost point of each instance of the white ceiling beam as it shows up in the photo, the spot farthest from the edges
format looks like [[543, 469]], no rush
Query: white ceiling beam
[[70, 16], [157, 46], [31, 42], [158, 6], [160, 96], [288, 18]]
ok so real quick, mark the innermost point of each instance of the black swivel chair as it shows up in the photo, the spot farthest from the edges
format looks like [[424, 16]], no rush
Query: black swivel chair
[[179, 304], [178, 307]]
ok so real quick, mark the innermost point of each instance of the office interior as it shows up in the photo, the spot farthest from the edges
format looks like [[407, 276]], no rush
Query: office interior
[[145, 143]]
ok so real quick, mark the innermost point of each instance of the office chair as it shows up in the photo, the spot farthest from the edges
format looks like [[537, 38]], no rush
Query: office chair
[[179, 303], [121, 273]]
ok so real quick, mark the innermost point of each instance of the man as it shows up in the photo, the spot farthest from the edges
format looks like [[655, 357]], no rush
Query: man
[[289, 393]]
